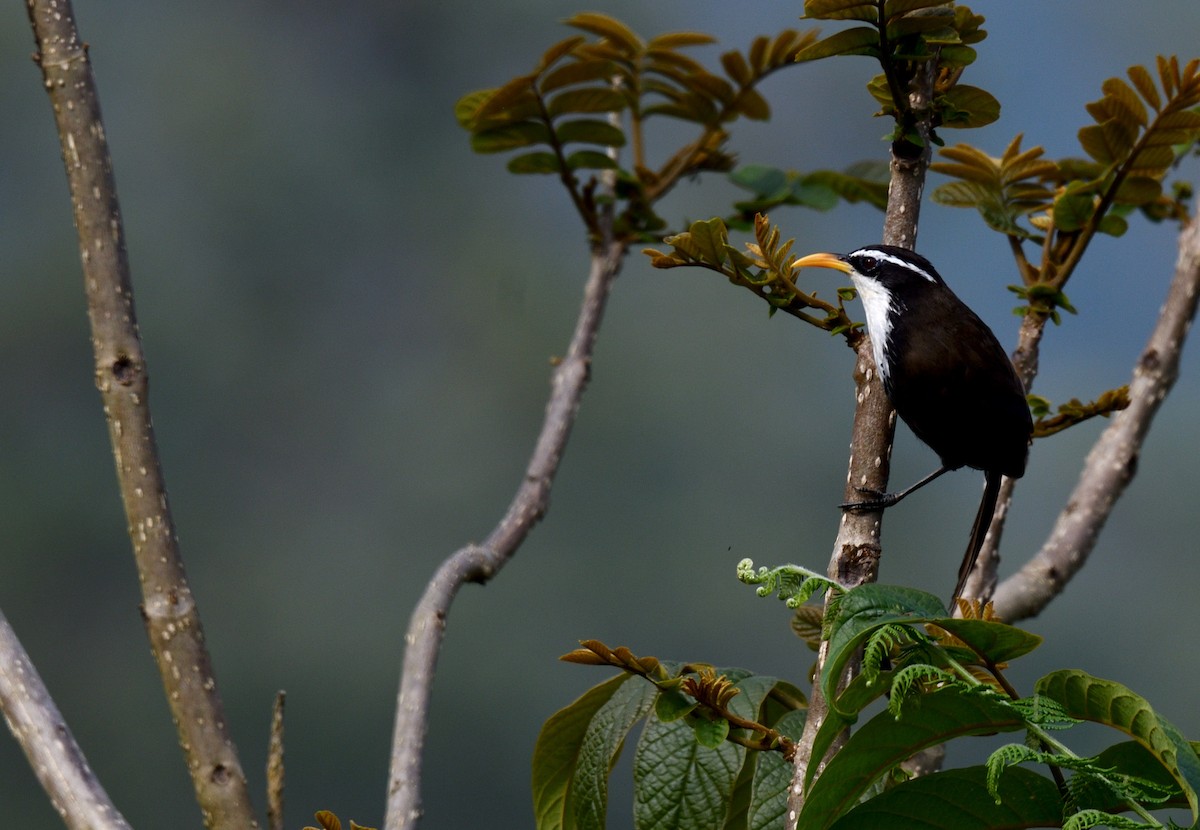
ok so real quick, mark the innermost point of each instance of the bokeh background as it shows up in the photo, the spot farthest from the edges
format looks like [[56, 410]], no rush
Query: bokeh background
[[348, 319]]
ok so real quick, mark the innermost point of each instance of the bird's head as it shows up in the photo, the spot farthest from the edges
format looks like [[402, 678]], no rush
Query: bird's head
[[897, 271], [889, 280]]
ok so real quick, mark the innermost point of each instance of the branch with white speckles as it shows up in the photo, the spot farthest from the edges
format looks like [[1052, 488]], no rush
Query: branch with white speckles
[[856, 550], [168, 609], [1111, 464], [480, 562], [49, 745]]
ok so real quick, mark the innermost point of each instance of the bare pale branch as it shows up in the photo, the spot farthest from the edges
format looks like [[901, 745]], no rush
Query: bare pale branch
[[480, 562], [1111, 464], [48, 743], [168, 607]]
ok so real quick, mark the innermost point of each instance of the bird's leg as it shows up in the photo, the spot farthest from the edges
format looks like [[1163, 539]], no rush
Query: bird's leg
[[878, 500]]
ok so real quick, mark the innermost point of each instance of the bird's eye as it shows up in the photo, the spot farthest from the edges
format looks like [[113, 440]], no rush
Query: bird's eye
[[865, 265]]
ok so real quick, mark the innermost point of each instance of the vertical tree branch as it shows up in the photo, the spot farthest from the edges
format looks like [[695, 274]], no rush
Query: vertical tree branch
[[480, 562], [275, 770], [1111, 464], [856, 550], [168, 609], [49, 745]]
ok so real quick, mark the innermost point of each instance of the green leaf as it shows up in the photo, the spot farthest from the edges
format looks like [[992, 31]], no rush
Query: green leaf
[[597, 752], [556, 755], [894, 8], [1073, 210], [590, 131], [678, 782], [865, 609], [710, 236], [676, 40], [1113, 225], [966, 106], [753, 105], [466, 110], [578, 72], [773, 779], [854, 698], [1108, 702], [857, 41], [607, 27], [708, 732], [958, 799], [586, 99], [761, 180], [1138, 190], [884, 741], [672, 704], [591, 160], [841, 10], [533, 163], [992, 640], [510, 137]]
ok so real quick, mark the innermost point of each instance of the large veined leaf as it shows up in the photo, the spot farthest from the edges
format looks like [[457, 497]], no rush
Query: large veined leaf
[[884, 741], [1105, 701], [959, 799], [862, 611], [576, 750]]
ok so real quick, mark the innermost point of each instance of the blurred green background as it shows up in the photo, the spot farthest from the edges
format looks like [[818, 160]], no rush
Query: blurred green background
[[348, 319]]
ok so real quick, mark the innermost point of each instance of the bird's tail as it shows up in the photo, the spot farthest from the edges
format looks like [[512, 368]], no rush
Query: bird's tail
[[983, 520]]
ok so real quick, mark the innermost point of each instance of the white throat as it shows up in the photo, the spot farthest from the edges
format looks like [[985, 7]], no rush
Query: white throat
[[878, 304]]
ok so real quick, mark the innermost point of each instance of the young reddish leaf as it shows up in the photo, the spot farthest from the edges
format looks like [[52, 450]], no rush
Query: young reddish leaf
[[506, 96], [737, 68], [1145, 85], [578, 72], [558, 50], [753, 106], [1125, 100], [604, 26], [466, 110], [676, 40], [586, 100]]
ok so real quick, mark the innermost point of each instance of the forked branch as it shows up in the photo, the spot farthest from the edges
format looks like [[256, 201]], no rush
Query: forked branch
[[1111, 464]]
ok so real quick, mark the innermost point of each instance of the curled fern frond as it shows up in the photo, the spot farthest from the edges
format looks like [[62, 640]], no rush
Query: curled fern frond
[[794, 584], [913, 681]]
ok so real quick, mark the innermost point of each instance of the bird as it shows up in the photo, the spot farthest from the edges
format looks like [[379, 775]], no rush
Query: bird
[[945, 373]]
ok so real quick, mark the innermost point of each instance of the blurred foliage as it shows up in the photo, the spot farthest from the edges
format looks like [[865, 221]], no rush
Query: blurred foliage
[[619, 73], [1142, 129]]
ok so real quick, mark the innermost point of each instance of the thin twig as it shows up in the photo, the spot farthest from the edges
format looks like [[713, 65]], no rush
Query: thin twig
[[49, 745], [480, 562], [168, 608], [856, 551], [275, 769], [1111, 464]]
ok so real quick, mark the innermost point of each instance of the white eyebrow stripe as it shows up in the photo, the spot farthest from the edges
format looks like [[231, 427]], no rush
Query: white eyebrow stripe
[[880, 256]]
